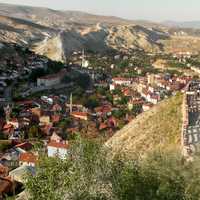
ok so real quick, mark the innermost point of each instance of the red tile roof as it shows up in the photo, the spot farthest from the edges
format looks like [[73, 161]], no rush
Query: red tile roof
[[136, 102], [7, 126], [25, 102], [58, 145], [103, 126], [126, 92], [28, 157], [55, 118], [54, 76], [24, 145], [121, 79]]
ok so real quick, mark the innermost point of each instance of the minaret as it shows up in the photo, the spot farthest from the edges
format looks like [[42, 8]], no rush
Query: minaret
[[83, 58], [71, 103], [85, 62]]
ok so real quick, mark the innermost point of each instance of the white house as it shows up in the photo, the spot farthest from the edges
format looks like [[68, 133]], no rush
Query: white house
[[59, 149], [27, 159], [153, 98], [121, 81], [112, 87]]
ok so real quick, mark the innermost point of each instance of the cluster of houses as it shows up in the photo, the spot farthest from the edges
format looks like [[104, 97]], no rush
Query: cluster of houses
[[15, 163], [149, 90], [55, 119], [20, 160], [21, 156], [16, 67]]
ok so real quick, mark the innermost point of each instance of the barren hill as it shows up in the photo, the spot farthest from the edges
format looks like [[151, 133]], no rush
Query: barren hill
[[57, 34], [157, 128], [64, 19], [13, 30]]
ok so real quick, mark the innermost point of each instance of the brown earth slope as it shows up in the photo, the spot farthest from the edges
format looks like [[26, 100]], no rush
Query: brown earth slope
[[157, 128]]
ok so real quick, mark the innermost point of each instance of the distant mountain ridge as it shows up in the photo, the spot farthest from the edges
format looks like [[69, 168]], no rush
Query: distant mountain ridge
[[57, 34], [48, 16], [186, 24]]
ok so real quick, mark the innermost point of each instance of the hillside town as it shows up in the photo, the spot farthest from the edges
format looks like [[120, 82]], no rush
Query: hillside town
[[99, 100], [47, 109]]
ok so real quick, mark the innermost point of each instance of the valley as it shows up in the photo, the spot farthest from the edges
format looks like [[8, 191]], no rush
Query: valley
[[96, 107]]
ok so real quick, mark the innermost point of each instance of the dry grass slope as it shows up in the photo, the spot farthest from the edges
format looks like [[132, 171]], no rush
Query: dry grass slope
[[157, 128]]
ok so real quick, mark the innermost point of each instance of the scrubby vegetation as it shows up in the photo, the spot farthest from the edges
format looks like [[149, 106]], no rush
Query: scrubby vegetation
[[88, 175], [158, 128]]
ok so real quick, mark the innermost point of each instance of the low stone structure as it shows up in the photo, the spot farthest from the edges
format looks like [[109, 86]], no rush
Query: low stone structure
[[191, 119]]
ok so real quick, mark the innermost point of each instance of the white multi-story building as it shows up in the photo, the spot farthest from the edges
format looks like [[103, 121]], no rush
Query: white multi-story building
[[49, 80]]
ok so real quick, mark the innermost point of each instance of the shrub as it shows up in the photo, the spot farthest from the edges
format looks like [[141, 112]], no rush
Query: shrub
[[87, 174]]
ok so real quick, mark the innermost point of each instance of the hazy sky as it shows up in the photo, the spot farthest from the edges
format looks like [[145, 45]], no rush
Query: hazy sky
[[157, 10]]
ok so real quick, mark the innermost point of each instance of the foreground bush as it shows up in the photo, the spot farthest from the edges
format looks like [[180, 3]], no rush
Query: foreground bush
[[88, 175]]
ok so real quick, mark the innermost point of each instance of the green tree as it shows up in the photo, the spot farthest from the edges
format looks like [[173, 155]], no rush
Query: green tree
[[119, 113], [137, 109], [36, 73], [92, 102], [54, 67], [83, 81]]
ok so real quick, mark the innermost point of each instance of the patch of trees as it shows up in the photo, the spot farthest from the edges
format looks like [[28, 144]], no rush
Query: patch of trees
[[92, 102], [137, 109], [83, 80], [36, 73], [54, 67]]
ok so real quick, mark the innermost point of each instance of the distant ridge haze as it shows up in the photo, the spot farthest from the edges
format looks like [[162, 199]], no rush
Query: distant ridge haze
[[185, 24], [56, 34], [20, 11], [156, 10]]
